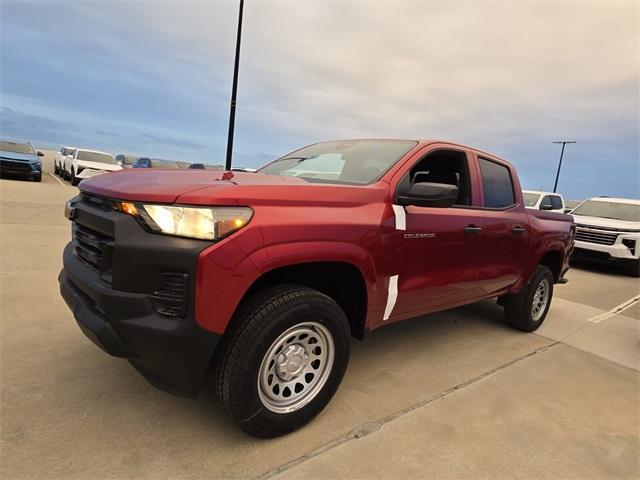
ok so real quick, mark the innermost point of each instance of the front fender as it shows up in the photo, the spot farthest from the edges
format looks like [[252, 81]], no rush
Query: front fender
[[225, 273]]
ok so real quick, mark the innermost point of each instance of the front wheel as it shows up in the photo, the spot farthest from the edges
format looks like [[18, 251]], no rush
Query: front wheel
[[527, 309], [634, 269], [283, 360], [74, 180]]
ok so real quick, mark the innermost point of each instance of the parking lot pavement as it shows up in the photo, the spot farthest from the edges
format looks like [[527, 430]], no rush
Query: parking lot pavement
[[452, 394]]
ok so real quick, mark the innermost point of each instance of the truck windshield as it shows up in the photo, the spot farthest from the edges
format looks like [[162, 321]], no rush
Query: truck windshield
[[96, 157], [357, 162], [14, 147], [617, 210], [530, 199]]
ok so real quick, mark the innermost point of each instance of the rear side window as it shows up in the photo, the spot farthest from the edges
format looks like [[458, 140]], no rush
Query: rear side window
[[498, 187], [556, 201]]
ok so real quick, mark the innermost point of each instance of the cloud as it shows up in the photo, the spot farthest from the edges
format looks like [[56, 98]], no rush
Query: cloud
[[506, 77]]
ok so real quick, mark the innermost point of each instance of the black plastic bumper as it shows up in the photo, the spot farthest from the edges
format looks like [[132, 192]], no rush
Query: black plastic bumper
[[172, 353]]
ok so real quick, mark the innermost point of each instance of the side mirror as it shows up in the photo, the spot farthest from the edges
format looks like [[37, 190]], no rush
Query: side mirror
[[40, 154], [423, 194], [568, 210], [546, 206], [69, 156]]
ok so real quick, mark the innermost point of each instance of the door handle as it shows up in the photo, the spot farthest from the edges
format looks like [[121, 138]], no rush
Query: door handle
[[518, 230], [472, 230]]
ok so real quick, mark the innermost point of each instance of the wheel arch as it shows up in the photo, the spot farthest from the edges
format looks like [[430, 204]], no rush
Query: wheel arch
[[340, 280], [553, 261]]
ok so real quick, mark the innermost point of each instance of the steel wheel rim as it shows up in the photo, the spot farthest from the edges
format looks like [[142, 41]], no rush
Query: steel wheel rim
[[540, 300], [296, 367]]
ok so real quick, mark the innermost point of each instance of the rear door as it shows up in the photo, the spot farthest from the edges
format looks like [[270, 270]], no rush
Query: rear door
[[504, 238]]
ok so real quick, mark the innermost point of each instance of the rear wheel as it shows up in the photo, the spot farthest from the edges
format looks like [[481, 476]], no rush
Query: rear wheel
[[527, 309], [56, 170], [283, 360]]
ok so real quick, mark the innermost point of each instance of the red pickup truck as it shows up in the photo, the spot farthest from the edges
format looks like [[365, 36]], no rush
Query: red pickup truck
[[255, 282]]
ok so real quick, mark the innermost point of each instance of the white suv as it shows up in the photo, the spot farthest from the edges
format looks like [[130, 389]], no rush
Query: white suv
[[609, 229], [61, 157], [88, 163], [535, 200]]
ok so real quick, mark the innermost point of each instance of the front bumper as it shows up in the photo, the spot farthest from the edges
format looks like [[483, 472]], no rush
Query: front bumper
[[617, 251], [117, 299], [91, 172]]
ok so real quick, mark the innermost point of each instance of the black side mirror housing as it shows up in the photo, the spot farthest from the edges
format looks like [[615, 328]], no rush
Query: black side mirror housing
[[546, 206], [568, 210], [423, 194], [40, 154]]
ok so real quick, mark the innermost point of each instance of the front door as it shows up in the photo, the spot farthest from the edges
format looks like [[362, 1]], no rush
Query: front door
[[437, 247]]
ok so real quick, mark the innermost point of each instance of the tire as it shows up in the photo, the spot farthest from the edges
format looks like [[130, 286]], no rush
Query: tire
[[520, 311], [256, 357], [56, 170], [634, 269], [74, 180]]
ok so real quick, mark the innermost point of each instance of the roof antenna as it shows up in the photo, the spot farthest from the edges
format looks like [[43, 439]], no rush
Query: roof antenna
[[234, 90]]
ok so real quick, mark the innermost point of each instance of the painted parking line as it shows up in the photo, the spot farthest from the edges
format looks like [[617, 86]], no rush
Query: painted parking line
[[616, 310], [57, 179]]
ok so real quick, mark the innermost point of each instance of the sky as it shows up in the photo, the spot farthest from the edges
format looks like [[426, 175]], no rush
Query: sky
[[154, 78]]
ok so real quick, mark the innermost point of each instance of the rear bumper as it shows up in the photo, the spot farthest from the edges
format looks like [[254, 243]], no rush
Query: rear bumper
[[123, 311]]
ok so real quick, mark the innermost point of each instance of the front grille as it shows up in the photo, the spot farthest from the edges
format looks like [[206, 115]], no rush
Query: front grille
[[99, 202], [14, 165], [609, 229], [170, 295], [93, 248], [596, 236]]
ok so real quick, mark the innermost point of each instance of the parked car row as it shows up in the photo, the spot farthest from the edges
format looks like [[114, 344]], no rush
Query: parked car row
[[20, 159], [82, 163], [75, 164]]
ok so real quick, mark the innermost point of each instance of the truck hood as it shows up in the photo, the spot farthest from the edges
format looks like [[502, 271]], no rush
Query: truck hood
[[606, 222], [202, 187], [24, 157], [98, 165]]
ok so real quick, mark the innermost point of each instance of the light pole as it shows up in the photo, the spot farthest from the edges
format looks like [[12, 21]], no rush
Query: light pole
[[234, 90], [555, 185]]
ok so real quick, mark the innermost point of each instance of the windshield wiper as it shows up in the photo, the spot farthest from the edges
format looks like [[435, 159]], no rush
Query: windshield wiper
[[300, 159]]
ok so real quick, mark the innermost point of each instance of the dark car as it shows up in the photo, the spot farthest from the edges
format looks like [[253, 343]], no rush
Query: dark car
[[142, 162], [196, 166], [20, 159], [126, 161]]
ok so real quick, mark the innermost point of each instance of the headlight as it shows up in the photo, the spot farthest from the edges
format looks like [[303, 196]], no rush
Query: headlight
[[212, 223]]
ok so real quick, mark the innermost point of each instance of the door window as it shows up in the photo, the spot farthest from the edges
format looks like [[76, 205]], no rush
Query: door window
[[556, 201], [444, 166], [546, 201], [497, 183]]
